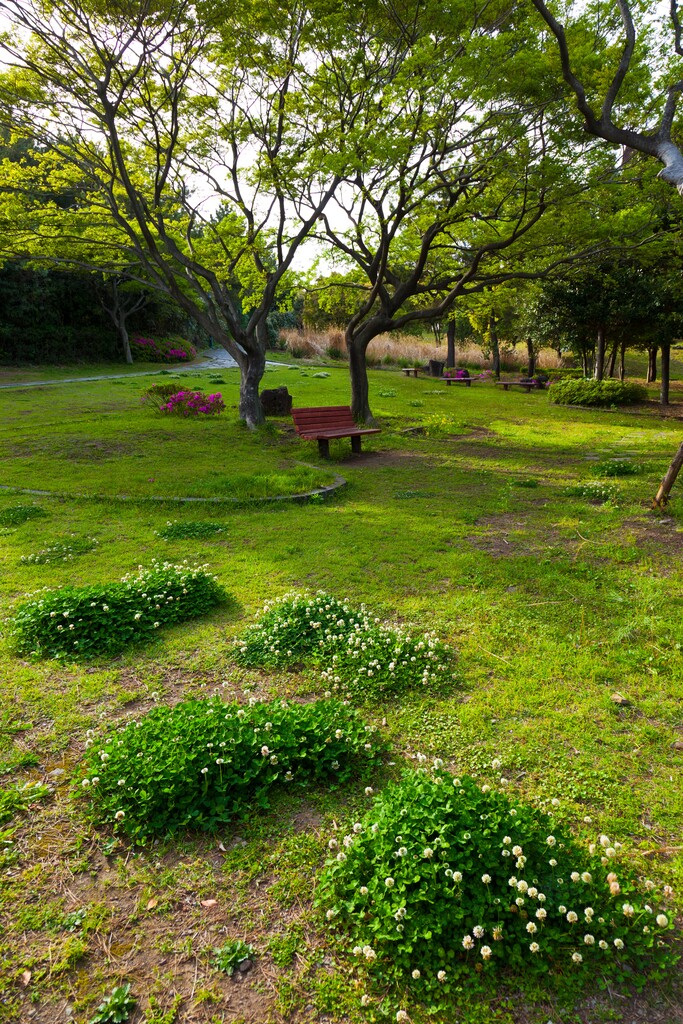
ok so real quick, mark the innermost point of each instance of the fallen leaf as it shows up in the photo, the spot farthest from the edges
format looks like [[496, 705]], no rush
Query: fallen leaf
[[209, 903], [222, 848], [151, 904], [25, 978]]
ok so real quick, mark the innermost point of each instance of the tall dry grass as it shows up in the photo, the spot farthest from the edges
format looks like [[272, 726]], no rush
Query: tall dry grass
[[403, 349]]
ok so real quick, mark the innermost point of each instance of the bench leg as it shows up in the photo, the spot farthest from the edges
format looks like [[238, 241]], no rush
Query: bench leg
[[355, 444], [468, 383], [323, 447]]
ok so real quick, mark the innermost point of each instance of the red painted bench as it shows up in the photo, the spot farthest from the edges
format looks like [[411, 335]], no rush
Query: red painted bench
[[326, 423]]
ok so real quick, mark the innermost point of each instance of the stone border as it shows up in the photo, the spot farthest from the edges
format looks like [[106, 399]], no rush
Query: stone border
[[337, 484]]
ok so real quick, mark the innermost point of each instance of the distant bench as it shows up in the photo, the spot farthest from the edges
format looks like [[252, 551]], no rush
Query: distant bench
[[528, 385], [326, 423], [410, 371], [467, 381]]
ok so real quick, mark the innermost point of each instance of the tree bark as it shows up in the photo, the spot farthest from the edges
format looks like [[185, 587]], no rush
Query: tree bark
[[652, 364], [622, 361], [360, 388], [662, 496], [252, 366], [664, 387], [531, 358], [125, 341], [584, 361], [495, 348], [612, 359], [450, 344], [600, 354]]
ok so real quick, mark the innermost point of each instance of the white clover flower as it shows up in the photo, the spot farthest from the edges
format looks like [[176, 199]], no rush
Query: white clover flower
[[602, 944], [85, 783], [531, 928], [441, 975], [265, 751], [520, 901], [505, 853], [541, 897], [121, 782], [619, 944], [575, 876], [572, 917], [485, 788], [577, 958], [496, 763], [95, 779], [552, 862], [457, 876], [533, 891], [512, 882], [330, 915], [551, 840], [369, 953], [363, 890], [507, 840], [562, 909], [662, 920], [486, 952], [369, 791], [401, 1015], [517, 850], [415, 974], [520, 862], [628, 910], [204, 771], [478, 931], [389, 882], [589, 940], [586, 877], [402, 852], [341, 856], [357, 827], [120, 815], [365, 1000], [588, 911], [610, 852], [468, 942], [428, 853], [604, 841], [333, 844], [522, 886], [649, 884], [486, 879], [541, 914]]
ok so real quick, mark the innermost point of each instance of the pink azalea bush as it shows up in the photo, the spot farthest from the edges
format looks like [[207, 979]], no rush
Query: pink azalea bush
[[163, 350], [194, 403]]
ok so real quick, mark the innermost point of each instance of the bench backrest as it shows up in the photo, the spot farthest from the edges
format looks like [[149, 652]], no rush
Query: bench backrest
[[331, 417]]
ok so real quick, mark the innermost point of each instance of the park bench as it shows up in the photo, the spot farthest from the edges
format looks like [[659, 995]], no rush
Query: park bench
[[326, 423], [528, 385], [458, 380], [410, 370]]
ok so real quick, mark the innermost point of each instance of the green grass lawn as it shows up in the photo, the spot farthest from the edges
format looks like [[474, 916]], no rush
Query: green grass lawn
[[456, 518]]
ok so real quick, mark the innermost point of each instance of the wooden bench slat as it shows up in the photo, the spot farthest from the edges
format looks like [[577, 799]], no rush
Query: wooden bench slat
[[328, 422]]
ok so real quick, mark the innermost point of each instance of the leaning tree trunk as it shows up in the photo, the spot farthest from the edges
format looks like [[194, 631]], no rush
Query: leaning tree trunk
[[252, 366], [664, 388], [125, 341], [600, 354], [622, 361], [450, 344], [662, 496], [612, 359], [652, 364], [495, 347], [531, 358]]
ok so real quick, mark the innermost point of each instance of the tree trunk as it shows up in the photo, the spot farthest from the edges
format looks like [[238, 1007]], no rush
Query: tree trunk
[[252, 366], [531, 358], [360, 388], [450, 344], [125, 341], [612, 359], [622, 361], [584, 361], [495, 348], [652, 364], [662, 496], [664, 389], [600, 354]]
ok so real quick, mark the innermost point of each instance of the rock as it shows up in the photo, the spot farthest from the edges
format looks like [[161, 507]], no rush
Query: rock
[[276, 401], [678, 745], [245, 965], [56, 773], [620, 700]]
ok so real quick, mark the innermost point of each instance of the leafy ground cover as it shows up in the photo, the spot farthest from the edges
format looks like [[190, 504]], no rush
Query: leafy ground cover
[[565, 612]]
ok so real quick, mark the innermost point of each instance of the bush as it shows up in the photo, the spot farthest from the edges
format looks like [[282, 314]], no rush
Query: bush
[[201, 763], [172, 349], [443, 877], [158, 394], [595, 490], [359, 655], [335, 353], [197, 530], [87, 622], [60, 551], [194, 403], [596, 393], [15, 515]]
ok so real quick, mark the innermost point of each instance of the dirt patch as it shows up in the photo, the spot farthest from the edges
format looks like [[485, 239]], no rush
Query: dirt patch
[[656, 536], [391, 459]]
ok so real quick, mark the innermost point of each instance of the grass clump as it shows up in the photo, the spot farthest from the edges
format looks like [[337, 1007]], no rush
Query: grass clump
[[359, 655], [203, 762], [116, 1007], [196, 530], [444, 878], [596, 393], [595, 490], [19, 797], [15, 515], [618, 467], [60, 551], [230, 955], [87, 622]]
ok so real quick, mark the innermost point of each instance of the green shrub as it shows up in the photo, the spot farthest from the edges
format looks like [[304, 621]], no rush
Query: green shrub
[[596, 393], [87, 622], [595, 490], [334, 352], [196, 530], [443, 878], [116, 1007], [60, 551], [201, 763], [158, 394], [358, 654], [618, 467], [15, 515]]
